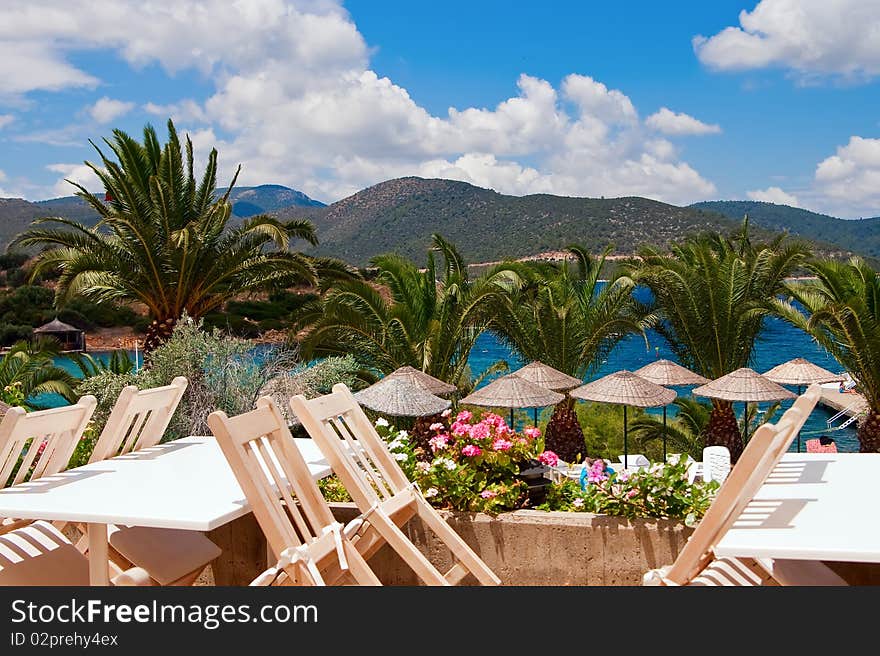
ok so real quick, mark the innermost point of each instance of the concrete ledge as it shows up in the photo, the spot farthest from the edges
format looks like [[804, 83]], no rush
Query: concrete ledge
[[531, 547]]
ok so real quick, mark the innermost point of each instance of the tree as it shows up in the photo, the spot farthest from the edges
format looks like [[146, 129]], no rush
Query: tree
[[426, 318], [567, 317], [28, 370], [841, 310], [710, 296], [165, 239]]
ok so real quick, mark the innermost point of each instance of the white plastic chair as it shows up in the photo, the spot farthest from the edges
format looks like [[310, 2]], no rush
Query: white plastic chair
[[716, 463], [635, 460]]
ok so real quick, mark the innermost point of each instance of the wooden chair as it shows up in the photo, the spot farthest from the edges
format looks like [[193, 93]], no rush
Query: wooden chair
[[387, 499], [697, 564], [298, 524], [39, 554], [37, 444], [138, 421]]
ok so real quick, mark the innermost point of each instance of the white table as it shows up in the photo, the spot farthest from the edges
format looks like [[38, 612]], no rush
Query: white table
[[813, 506], [185, 484]]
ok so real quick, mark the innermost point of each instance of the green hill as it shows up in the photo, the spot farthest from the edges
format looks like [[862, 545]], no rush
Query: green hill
[[862, 235], [400, 216]]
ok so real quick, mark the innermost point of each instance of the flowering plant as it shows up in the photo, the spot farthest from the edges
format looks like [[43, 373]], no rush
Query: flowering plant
[[662, 491], [472, 464]]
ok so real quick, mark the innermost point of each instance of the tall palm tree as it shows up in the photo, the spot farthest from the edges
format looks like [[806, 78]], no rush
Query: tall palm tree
[[165, 239], [841, 311], [27, 370], [426, 318], [711, 295], [567, 317]]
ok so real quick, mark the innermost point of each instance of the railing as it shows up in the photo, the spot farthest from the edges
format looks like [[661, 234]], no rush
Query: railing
[[846, 411]]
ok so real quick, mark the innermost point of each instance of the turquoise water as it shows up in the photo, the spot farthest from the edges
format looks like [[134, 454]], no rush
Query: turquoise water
[[779, 343]]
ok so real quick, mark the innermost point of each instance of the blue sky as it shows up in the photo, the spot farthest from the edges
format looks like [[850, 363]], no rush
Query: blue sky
[[680, 101]]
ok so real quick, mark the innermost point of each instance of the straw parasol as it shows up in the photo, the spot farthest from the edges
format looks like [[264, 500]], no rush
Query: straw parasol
[[399, 398], [670, 374], [546, 376], [625, 388], [511, 391], [744, 385], [800, 372], [423, 380]]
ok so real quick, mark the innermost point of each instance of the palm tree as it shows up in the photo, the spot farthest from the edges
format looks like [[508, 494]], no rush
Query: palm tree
[[685, 434], [27, 370], [119, 362], [165, 239], [426, 318], [711, 295], [841, 311], [567, 317]]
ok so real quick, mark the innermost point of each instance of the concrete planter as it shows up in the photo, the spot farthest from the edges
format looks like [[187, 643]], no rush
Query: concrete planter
[[532, 547]]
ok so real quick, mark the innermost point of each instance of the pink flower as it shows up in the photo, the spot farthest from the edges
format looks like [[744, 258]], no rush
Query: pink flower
[[493, 420], [439, 442], [533, 432], [464, 415], [549, 458], [631, 494], [460, 428], [596, 476], [480, 431], [488, 494], [471, 450], [522, 441], [500, 444], [502, 429], [437, 427], [446, 413]]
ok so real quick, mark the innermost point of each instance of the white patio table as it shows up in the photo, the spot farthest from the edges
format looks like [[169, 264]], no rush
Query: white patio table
[[185, 484], [813, 506]]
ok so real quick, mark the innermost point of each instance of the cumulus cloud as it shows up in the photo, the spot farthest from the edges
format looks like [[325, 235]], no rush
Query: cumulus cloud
[[809, 37], [296, 102], [679, 124], [109, 109], [774, 195], [6, 119], [850, 179], [79, 173]]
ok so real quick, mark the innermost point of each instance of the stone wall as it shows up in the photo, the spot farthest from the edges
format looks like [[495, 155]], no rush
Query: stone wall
[[530, 547]]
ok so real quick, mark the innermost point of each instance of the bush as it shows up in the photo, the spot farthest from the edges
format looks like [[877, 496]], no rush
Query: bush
[[13, 260], [661, 491], [603, 428], [11, 333]]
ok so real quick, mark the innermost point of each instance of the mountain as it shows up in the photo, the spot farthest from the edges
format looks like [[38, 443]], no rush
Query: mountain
[[400, 216], [248, 201], [860, 235], [16, 214]]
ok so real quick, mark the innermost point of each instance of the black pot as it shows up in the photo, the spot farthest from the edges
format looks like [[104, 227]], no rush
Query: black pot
[[532, 473]]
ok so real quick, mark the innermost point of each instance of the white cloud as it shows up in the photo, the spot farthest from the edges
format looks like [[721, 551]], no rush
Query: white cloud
[[6, 119], [79, 173], [296, 102], [849, 181], [679, 124], [774, 195], [810, 37], [108, 109]]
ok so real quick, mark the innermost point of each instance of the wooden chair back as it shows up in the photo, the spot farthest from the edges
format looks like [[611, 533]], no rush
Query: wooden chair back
[[362, 461], [283, 495], [760, 456], [36, 444], [139, 419]]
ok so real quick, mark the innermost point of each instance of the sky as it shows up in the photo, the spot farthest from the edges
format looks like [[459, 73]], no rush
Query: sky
[[683, 101]]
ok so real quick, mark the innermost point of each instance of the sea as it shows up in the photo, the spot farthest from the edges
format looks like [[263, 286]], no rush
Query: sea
[[778, 343]]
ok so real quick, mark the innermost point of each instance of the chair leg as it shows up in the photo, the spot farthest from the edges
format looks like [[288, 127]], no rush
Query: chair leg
[[459, 548], [358, 567], [398, 541]]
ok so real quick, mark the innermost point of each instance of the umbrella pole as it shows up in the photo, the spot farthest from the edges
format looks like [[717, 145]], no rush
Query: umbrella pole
[[512, 427], [625, 446], [799, 433], [536, 417], [746, 423], [664, 433]]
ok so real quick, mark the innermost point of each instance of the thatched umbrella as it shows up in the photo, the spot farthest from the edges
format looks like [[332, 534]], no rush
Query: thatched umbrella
[[669, 374], [625, 388], [546, 376], [399, 398], [744, 385], [511, 391], [800, 373], [423, 380]]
